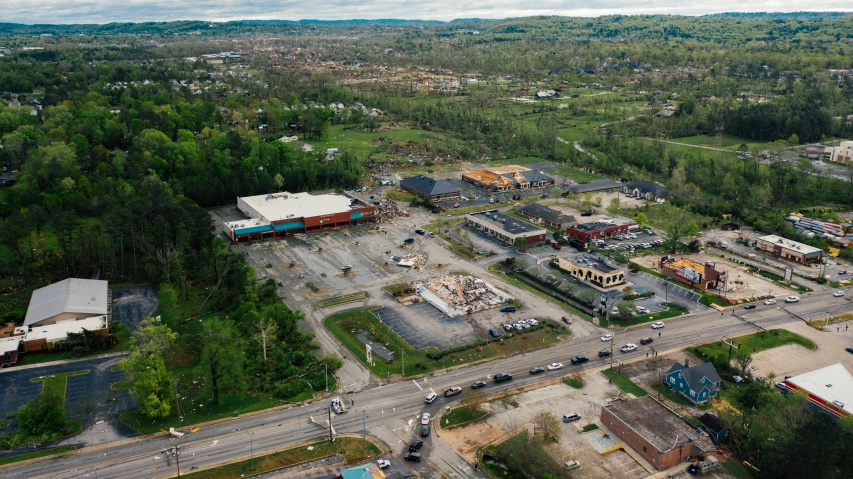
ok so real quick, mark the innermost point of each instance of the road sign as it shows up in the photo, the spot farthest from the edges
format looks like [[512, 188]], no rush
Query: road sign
[[731, 342]]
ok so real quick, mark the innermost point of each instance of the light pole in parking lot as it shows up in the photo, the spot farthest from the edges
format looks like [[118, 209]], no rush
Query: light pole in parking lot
[[666, 292]]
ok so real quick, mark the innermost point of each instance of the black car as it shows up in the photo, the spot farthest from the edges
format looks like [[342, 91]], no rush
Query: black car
[[580, 359], [537, 370], [501, 377], [586, 213], [478, 384], [408, 241], [415, 445], [420, 231], [567, 320], [749, 306], [604, 353], [413, 456], [424, 430], [849, 350]]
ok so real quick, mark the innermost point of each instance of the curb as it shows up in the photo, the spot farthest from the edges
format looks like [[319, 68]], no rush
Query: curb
[[63, 361]]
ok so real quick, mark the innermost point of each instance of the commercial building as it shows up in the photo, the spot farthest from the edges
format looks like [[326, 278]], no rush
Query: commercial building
[[828, 389], [655, 432], [649, 191], [697, 383], [597, 273], [506, 178], [281, 214], [810, 227], [541, 214], [10, 348], [505, 228], [599, 230], [697, 275], [842, 153], [429, 188], [789, 250], [71, 298], [44, 338]]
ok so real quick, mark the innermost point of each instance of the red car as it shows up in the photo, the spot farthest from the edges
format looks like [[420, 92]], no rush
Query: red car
[[556, 245]]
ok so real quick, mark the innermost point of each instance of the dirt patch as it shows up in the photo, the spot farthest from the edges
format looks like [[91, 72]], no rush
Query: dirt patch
[[793, 359], [468, 440]]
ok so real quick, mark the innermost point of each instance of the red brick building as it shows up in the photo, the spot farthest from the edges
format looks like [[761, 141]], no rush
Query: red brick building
[[597, 230]]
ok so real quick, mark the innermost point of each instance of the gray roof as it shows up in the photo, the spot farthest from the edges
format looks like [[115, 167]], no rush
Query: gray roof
[[594, 185], [547, 214], [534, 175], [648, 187], [85, 297], [429, 186], [694, 374]]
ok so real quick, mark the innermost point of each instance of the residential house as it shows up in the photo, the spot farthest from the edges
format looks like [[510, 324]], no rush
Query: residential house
[[697, 383], [649, 191]]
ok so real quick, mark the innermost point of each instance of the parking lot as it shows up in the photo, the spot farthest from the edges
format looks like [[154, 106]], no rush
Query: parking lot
[[422, 325]]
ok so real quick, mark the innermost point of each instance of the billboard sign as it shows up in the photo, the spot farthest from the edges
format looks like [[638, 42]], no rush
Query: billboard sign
[[689, 274]]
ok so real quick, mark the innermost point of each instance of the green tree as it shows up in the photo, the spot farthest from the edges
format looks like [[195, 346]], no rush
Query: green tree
[[222, 356], [154, 337], [42, 419], [613, 207], [641, 219], [151, 383]]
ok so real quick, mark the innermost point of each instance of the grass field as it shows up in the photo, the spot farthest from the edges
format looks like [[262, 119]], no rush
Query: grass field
[[353, 450], [35, 455], [664, 390], [362, 143], [460, 415], [56, 383], [347, 324], [728, 142], [576, 174], [624, 383], [734, 468], [574, 382], [753, 343], [672, 311]]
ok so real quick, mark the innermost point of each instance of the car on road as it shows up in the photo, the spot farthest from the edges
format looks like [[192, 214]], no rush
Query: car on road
[[424, 430], [494, 332], [580, 359], [555, 366], [646, 340], [792, 299], [507, 309], [452, 391], [586, 213], [501, 377], [431, 234], [420, 231], [383, 463], [478, 384], [537, 370], [415, 445], [413, 456], [628, 348], [604, 353], [430, 398], [567, 320], [658, 325], [770, 302], [749, 306], [425, 418], [607, 337], [838, 294]]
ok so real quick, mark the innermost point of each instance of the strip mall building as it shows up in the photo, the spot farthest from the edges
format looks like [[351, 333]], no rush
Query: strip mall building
[[281, 214]]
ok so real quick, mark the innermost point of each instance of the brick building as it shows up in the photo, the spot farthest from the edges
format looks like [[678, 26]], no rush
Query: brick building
[[697, 275], [541, 214], [598, 229], [789, 250]]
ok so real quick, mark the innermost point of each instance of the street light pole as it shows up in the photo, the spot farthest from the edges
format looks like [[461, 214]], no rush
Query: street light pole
[[252, 448], [327, 377]]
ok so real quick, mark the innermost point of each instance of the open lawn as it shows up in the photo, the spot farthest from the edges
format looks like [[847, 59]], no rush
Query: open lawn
[[353, 450], [624, 383], [672, 311], [660, 215], [521, 160], [35, 455], [346, 325], [576, 174], [362, 143], [460, 415], [728, 142], [734, 468], [753, 343], [343, 299]]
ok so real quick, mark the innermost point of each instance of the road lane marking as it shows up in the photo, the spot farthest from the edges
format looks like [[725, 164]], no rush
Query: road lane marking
[[418, 385]]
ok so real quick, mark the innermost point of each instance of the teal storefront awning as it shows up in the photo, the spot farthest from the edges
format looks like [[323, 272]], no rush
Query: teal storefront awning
[[355, 216], [252, 230], [290, 226]]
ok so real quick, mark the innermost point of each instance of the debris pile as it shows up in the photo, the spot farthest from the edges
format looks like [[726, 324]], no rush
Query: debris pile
[[457, 294], [389, 210], [411, 260]]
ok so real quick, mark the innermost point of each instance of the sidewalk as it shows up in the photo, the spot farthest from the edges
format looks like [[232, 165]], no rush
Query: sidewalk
[[63, 361]]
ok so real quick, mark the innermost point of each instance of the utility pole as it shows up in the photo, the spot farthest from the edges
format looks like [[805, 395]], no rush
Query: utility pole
[[363, 424], [178, 460], [327, 377], [404, 361], [252, 449]]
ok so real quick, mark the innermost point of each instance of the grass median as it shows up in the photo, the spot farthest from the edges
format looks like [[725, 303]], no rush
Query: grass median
[[348, 325], [353, 450], [460, 415], [56, 383]]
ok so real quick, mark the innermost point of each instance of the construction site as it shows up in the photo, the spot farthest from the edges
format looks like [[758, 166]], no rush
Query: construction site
[[457, 295]]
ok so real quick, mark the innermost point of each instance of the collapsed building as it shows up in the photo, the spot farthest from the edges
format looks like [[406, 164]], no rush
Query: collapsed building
[[457, 294]]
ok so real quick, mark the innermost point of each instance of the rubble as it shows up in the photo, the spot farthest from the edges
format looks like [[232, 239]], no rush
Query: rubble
[[389, 210], [411, 260], [457, 294]]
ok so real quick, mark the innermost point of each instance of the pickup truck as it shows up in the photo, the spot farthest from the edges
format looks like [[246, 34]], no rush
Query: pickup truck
[[452, 391]]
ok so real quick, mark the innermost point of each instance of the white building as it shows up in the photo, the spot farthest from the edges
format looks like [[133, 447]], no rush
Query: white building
[[67, 299], [842, 153]]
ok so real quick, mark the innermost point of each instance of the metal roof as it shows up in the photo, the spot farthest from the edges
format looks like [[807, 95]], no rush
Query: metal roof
[[833, 384], [280, 206], [791, 245], [85, 297]]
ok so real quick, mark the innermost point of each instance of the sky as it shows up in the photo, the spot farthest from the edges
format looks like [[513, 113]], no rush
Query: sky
[[105, 11]]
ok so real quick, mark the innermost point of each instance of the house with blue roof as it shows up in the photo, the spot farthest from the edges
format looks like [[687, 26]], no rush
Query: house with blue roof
[[697, 383]]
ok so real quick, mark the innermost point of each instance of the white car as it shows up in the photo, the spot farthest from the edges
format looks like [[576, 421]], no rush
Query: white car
[[555, 366], [838, 294], [628, 348], [432, 397], [614, 310], [770, 302], [792, 299], [532, 322], [607, 337], [658, 325], [425, 419], [383, 463]]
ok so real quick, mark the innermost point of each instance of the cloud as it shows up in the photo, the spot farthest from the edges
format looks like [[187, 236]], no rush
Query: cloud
[[104, 11]]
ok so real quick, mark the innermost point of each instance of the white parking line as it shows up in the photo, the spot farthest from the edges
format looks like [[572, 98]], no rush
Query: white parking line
[[418, 385]]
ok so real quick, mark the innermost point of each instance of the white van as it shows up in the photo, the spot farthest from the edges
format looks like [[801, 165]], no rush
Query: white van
[[432, 397]]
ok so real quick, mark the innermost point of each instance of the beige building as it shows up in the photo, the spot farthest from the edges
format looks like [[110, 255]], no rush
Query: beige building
[[596, 273], [67, 299], [842, 153]]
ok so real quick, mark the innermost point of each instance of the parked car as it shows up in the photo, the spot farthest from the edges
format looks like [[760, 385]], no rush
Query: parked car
[[567, 320], [346, 267], [607, 337], [537, 370], [431, 234], [580, 359], [770, 302], [501, 377], [413, 456], [415, 445], [849, 350], [571, 417], [420, 231], [507, 309], [424, 430], [838, 294], [555, 366], [452, 391], [425, 418], [571, 465], [737, 379], [648, 232], [383, 463], [507, 327], [408, 241], [628, 348], [586, 213], [792, 299], [478, 384], [614, 310], [604, 353], [494, 332], [842, 272], [749, 306], [658, 325], [643, 310], [430, 398]]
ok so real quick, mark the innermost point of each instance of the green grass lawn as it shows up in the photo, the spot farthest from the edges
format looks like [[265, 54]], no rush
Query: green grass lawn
[[576, 174], [363, 143], [734, 468], [56, 383], [521, 161], [660, 215], [121, 337], [460, 415], [624, 383], [673, 311], [36, 454], [589, 427], [353, 450], [664, 390], [574, 382], [343, 299], [346, 325], [728, 142], [753, 343]]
